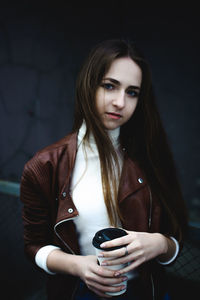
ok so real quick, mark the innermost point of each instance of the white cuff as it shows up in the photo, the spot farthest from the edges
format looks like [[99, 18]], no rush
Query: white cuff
[[175, 254], [41, 257]]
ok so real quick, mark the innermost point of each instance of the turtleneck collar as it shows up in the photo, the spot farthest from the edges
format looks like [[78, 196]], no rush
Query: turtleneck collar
[[113, 134]]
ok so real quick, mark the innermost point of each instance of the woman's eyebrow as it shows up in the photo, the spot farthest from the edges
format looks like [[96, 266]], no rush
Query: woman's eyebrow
[[118, 83]]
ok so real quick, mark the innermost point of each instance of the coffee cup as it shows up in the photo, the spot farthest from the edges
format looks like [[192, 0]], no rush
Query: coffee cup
[[105, 235]]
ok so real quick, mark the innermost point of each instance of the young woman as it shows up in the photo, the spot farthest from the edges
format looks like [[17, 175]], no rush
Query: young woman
[[114, 169]]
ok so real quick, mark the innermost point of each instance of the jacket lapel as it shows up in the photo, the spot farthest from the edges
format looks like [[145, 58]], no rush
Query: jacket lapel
[[66, 207], [132, 179]]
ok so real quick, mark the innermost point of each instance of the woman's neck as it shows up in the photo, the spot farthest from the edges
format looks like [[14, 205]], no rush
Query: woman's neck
[[113, 134]]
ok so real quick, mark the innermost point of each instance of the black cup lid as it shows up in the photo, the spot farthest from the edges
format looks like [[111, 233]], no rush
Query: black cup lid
[[105, 235]]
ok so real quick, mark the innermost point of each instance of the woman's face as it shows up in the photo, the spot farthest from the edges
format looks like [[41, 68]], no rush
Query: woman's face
[[117, 95]]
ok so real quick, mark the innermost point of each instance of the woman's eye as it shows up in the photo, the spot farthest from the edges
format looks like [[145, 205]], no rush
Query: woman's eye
[[108, 86], [132, 93]]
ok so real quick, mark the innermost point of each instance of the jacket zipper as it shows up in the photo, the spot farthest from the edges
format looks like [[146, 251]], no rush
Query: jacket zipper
[[55, 230], [149, 223], [75, 289], [150, 209], [69, 248], [153, 289]]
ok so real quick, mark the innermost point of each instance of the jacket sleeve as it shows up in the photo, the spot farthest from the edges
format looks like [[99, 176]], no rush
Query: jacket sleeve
[[35, 183]]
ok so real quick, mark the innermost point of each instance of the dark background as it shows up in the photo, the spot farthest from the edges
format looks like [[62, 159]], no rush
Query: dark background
[[42, 45]]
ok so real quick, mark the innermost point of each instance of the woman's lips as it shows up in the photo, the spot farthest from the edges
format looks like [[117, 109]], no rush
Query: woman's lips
[[113, 115]]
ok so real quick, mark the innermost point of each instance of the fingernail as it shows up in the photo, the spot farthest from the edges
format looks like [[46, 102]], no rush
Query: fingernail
[[117, 274], [123, 287], [100, 255], [124, 278], [104, 264], [102, 245]]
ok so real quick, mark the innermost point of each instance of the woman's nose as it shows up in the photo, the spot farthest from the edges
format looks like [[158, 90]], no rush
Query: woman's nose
[[119, 99]]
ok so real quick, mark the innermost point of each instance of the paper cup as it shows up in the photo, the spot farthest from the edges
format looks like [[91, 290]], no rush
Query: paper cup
[[105, 235]]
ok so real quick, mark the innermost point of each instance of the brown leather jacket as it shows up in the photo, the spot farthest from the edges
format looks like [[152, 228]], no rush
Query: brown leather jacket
[[48, 210]]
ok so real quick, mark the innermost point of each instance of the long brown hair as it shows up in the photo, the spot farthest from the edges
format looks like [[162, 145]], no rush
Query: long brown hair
[[143, 136]]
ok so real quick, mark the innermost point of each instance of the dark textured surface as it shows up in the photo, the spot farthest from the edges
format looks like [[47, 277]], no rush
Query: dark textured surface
[[42, 45]]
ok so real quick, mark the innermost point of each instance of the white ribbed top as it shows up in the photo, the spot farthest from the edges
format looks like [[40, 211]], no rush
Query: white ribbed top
[[87, 192]]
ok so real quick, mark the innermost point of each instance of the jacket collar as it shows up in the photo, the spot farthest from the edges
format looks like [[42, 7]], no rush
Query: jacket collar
[[132, 179]]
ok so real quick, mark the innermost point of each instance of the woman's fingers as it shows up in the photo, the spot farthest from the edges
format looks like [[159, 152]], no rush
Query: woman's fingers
[[125, 244], [114, 253], [98, 278], [103, 272], [102, 276], [103, 280], [107, 281], [106, 288], [130, 267], [133, 256], [116, 242]]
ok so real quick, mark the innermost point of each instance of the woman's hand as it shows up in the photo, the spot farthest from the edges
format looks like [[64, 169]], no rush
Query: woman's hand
[[141, 247], [98, 279]]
